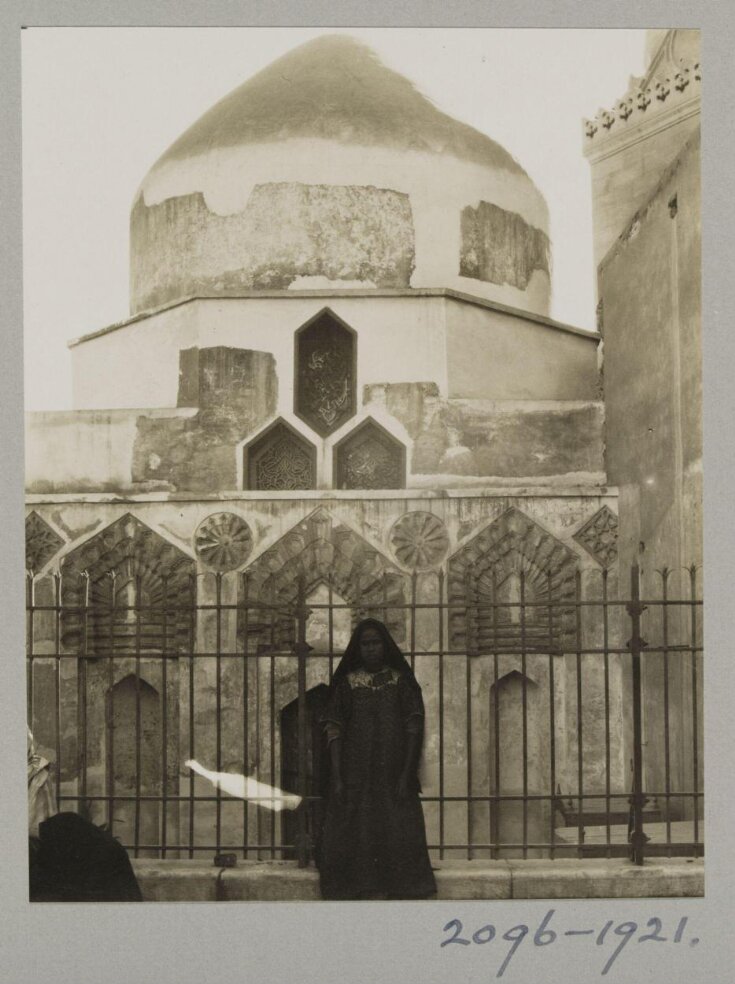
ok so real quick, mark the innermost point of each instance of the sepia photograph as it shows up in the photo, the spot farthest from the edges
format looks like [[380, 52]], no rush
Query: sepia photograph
[[363, 465]]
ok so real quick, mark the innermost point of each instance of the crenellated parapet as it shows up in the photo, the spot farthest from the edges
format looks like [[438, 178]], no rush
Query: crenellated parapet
[[648, 98]]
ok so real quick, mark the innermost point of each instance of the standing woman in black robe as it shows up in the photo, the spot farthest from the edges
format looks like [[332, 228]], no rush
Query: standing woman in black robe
[[373, 841]]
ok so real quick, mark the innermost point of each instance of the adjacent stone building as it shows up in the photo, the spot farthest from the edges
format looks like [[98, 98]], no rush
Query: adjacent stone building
[[645, 164]]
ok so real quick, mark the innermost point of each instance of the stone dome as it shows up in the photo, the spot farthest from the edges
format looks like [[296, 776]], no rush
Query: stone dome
[[329, 170]]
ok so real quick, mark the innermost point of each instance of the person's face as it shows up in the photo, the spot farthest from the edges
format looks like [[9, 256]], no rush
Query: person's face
[[371, 649]]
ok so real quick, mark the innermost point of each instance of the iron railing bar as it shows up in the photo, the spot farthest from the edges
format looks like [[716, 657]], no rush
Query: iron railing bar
[[57, 681], [138, 711], [218, 700], [524, 710], [469, 596], [245, 702], [164, 727], [480, 606], [580, 735], [441, 714], [482, 651], [82, 698], [667, 736], [552, 721], [495, 830], [695, 698], [606, 672], [30, 647], [192, 641]]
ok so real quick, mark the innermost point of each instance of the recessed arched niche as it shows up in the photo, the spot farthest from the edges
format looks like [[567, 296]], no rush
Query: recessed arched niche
[[279, 460], [369, 458], [325, 377]]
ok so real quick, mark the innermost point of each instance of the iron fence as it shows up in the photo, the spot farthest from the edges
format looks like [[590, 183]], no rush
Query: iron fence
[[561, 719]]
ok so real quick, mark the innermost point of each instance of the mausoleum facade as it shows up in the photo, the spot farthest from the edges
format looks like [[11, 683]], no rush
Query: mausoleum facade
[[339, 382]]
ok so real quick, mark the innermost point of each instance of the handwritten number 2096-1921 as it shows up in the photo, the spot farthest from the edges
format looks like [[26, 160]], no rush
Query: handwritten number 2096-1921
[[544, 936]]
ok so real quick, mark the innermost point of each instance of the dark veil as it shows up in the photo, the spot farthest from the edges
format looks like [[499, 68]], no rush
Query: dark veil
[[352, 660]]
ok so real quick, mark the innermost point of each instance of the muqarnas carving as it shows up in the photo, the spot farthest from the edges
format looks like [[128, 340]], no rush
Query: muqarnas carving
[[369, 458], [419, 540], [41, 543], [500, 247], [487, 571], [318, 550], [325, 385], [599, 537], [280, 460], [223, 541], [127, 591]]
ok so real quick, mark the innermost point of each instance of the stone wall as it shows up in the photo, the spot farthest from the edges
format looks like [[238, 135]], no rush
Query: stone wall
[[650, 288], [419, 440], [362, 553], [468, 347]]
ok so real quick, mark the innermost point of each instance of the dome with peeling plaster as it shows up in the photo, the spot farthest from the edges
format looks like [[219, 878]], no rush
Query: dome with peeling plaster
[[329, 170]]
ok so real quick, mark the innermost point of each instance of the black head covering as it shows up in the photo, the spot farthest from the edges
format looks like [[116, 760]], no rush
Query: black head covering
[[352, 658]]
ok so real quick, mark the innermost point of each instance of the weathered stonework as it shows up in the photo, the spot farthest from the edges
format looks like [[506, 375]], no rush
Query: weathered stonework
[[480, 569], [42, 543], [288, 230], [236, 391], [280, 460], [369, 458], [419, 541], [501, 247], [599, 537], [321, 551], [493, 438], [120, 572], [223, 541]]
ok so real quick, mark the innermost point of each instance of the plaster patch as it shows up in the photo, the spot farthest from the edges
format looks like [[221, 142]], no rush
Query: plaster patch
[[500, 246], [287, 233]]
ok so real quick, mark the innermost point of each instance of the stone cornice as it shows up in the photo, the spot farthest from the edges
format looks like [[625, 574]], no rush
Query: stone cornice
[[653, 102]]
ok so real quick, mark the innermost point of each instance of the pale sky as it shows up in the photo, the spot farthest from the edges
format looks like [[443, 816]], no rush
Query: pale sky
[[101, 104]]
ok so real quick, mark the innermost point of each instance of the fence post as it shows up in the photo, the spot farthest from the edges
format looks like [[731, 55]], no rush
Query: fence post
[[636, 644], [302, 649]]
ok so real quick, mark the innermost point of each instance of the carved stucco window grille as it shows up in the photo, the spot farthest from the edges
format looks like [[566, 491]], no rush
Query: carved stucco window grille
[[369, 458], [280, 460], [325, 377], [127, 591]]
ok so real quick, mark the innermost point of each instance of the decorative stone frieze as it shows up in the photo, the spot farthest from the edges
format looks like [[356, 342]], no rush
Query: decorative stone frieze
[[137, 587], [318, 550], [647, 97], [599, 537], [41, 543], [486, 571]]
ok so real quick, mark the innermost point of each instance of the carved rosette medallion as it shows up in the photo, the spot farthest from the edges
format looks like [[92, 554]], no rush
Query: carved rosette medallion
[[419, 541], [223, 541], [41, 543], [599, 537]]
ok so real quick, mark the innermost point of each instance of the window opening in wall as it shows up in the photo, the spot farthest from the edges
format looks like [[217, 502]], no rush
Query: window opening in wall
[[280, 460], [369, 458], [325, 373]]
